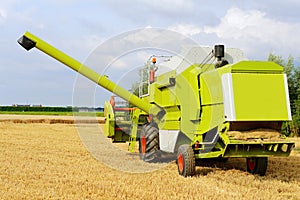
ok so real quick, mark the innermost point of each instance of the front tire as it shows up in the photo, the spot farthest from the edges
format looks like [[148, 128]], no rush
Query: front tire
[[186, 160], [149, 143], [257, 165]]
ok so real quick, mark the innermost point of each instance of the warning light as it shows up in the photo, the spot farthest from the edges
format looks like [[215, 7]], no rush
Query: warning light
[[153, 60]]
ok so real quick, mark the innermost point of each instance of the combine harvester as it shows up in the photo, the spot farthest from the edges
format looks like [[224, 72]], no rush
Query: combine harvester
[[227, 109]]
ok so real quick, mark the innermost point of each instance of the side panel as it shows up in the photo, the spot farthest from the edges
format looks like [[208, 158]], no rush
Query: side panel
[[287, 96], [188, 96], [211, 90], [167, 140], [212, 114], [255, 97], [229, 109], [170, 140], [109, 126]]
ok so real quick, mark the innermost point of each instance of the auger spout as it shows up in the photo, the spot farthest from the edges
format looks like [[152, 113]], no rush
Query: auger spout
[[28, 41]]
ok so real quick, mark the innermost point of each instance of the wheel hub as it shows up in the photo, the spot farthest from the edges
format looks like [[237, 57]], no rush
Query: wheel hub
[[144, 144], [180, 162], [251, 164]]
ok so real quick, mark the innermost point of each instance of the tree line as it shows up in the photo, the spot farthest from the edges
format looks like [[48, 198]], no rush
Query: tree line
[[34, 109], [48, 109], [293, 75]]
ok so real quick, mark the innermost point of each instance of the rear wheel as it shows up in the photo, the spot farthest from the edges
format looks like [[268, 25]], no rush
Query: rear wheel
[[149, 143], [186, 160], [257, 165]]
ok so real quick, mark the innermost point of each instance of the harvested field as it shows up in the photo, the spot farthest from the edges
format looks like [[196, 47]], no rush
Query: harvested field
[[29, 119], [49, 161]]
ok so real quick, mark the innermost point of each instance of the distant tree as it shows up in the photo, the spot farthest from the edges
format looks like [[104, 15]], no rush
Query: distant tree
[[293, 76]]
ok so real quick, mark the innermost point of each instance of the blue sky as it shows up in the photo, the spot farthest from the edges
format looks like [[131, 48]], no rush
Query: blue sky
[[79, 27]]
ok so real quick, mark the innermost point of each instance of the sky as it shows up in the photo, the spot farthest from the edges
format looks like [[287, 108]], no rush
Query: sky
[[81, 28]]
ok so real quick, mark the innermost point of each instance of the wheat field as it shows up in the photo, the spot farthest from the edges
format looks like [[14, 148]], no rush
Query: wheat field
[[49, 161]]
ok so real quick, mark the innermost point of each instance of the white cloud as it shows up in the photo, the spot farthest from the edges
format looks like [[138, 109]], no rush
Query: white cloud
[[239, 24], [186, 29], [254, 29], [80, 47], [3, 15], [119, 63], [170, 5]]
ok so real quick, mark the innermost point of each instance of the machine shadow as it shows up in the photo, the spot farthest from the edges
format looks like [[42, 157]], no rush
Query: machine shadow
[[206, 166], [277, 168]]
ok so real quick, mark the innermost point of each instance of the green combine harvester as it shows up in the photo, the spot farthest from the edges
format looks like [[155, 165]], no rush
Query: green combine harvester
[[228, 109]]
